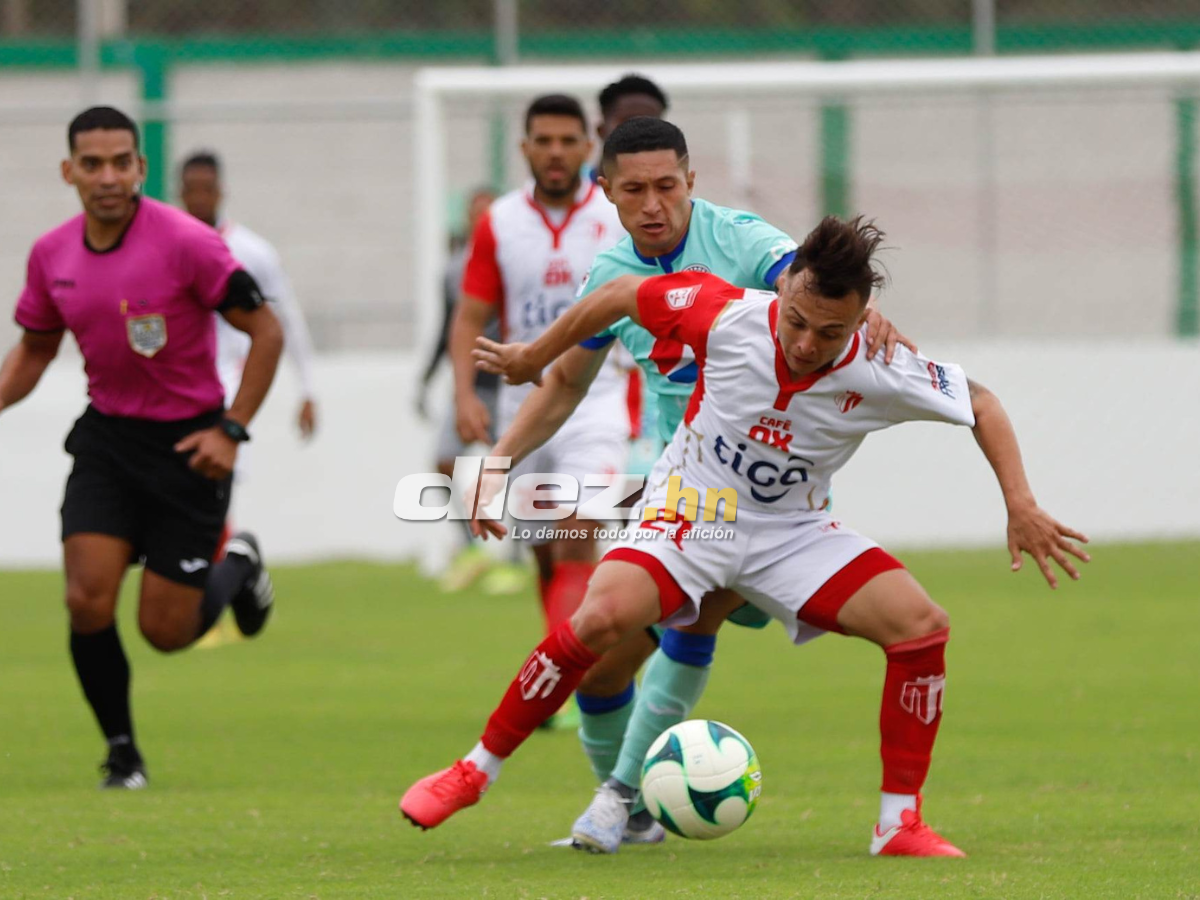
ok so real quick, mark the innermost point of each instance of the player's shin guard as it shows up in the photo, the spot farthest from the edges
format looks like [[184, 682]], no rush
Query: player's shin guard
[[911, 710], [545, 681], [671, 688], [565, 591], [602, 728]]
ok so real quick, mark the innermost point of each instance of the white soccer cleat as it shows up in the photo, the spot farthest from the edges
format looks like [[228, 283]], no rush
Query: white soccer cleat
[[602, 825]]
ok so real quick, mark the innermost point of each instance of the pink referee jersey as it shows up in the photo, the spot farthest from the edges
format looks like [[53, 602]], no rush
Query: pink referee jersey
[[141, 312]]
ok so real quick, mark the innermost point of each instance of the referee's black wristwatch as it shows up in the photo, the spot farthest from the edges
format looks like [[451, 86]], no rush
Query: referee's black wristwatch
[[235, 431]]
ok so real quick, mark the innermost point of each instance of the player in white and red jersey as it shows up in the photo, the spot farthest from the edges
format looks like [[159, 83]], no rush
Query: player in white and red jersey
[[784, 397], [201, 192], [528, 255]]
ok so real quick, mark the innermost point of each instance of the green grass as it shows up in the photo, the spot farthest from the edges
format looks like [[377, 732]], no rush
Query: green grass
[[1067, 766]]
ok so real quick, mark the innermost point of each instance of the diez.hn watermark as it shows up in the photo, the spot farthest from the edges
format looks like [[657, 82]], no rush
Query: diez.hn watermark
[[549, 496]]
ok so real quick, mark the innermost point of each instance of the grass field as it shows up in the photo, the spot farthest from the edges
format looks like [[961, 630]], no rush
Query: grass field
[[1068, 763]]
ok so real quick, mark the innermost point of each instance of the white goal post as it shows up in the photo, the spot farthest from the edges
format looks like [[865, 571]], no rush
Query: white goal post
[[435, 87]]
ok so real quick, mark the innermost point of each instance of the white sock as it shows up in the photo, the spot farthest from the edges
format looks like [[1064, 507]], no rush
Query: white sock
[[488, 763], [890, 807]]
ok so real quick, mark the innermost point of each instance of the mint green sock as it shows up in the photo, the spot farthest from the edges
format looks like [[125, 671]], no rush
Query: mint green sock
[[670, 690], [601, 734]]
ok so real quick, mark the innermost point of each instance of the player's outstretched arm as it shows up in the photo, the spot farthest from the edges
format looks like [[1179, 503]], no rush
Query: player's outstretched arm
[[471, 317], [23, 366], [540, 416], [1030, 528], [523, 363]]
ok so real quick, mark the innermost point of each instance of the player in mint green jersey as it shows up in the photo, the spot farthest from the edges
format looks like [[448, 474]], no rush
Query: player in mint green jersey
[[646, 175]]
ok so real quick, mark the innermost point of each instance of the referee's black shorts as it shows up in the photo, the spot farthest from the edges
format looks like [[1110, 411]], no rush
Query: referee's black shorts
[[129, 482]]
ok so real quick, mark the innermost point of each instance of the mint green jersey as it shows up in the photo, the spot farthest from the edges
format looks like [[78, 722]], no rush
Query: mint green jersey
[[737, 246]]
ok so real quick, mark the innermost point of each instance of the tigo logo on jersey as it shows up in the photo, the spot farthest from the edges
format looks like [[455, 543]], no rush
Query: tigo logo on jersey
[[937, 377], [847, 400], [682, 298], [762, 474]]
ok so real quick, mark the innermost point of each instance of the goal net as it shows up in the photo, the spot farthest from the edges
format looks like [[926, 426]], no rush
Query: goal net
[[1022, 197]]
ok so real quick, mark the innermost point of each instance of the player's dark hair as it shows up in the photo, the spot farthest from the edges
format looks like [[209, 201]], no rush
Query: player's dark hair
[[640, 135], [630, 85], [101, 117], [555, 105], [204, 159], [838, 256]]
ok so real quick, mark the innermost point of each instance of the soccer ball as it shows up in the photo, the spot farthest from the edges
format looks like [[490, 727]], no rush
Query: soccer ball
[[701, 779]]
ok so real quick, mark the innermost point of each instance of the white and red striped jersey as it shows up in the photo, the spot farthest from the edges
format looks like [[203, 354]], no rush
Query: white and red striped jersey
[[530, 260], [749, 426]]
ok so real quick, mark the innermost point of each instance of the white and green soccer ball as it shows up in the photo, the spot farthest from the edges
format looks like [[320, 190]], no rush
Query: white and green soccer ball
[[701, 779]]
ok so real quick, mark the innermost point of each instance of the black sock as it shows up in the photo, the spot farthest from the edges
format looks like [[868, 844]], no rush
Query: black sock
[[224, 581], [104, 676]]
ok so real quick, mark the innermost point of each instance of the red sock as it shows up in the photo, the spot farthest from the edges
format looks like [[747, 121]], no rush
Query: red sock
[[544, 683], [226, 534], [912, 710], [564, 593]]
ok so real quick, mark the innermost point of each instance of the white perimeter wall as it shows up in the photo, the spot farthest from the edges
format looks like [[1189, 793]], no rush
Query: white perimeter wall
[[1110, 432]]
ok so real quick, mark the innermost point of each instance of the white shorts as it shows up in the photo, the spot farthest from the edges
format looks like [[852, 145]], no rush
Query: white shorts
[[575, 456], [776, 562]]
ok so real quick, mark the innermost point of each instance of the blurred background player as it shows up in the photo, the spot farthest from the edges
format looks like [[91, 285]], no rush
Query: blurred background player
[[202, 193], [472, 561], [136, 283], [528, 255]]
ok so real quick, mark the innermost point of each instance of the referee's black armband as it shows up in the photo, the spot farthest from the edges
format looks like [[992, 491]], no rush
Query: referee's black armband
[[242, 292]]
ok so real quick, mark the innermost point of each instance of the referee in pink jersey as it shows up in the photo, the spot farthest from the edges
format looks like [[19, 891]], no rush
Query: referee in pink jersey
[[137, 283]]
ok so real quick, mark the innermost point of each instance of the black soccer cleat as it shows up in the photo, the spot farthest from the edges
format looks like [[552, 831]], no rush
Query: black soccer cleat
[[124, 770], [252, 604]]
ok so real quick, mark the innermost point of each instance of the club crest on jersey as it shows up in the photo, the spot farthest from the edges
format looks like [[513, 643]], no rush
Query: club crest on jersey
[[939, 380], [923, 697], [147, 334], [697, 267], [847, 400], [682, 298]]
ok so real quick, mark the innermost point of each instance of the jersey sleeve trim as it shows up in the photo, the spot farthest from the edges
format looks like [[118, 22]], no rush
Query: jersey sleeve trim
[[776, 270], [481, 274], [598, 342]]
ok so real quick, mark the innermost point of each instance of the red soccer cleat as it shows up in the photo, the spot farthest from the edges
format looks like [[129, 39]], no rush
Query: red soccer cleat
[[912, 837], [435, 798]]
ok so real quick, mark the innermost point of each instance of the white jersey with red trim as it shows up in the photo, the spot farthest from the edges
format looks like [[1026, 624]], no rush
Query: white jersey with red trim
[[261, 260], [530, 261], [748, 426]]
